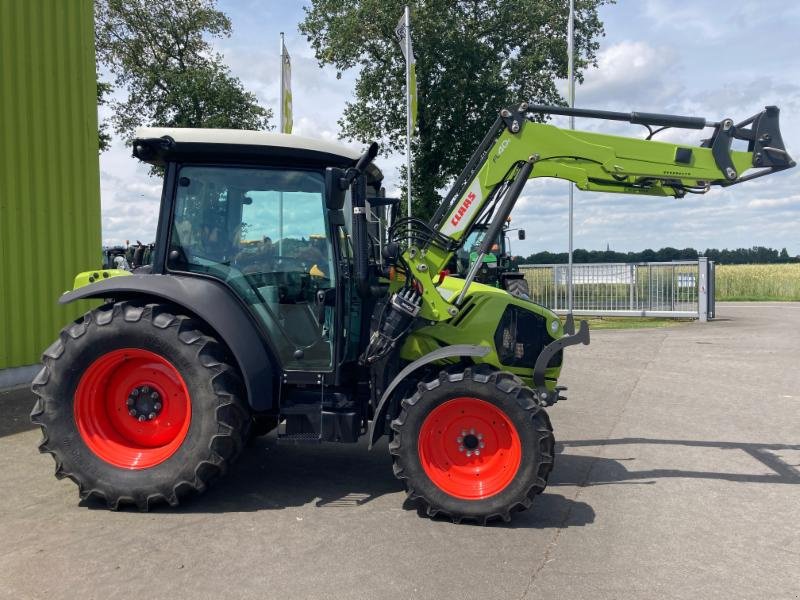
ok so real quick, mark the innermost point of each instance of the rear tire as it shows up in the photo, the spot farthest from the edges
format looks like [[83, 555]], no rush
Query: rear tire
[[519, 288], [446, 420], [177, 432]]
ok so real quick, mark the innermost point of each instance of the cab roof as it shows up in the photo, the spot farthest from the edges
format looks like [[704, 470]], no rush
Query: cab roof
[[159, 145]]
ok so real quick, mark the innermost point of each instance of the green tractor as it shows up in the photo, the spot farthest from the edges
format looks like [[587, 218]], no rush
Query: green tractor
[[498, 268], [268, 304]]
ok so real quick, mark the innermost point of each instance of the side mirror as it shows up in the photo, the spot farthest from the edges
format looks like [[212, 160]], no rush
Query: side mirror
[[521, 234], [334, 194]]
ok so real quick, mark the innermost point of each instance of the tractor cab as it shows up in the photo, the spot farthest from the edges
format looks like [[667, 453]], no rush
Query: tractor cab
[[496, 268], [249, 209]]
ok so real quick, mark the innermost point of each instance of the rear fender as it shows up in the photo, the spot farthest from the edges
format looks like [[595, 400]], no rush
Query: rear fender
[[212, 302]]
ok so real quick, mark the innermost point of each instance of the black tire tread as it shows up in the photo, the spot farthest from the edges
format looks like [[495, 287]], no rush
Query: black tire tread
[[519, 288], [232, 414], [509, 384]]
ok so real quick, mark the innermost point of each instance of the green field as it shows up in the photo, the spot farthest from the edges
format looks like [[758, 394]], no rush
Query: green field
[[733, 283], [631, 322], [758, 282]]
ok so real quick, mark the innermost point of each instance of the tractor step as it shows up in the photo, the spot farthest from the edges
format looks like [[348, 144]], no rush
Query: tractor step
[[309, 416], [300, 438], [334, 427]]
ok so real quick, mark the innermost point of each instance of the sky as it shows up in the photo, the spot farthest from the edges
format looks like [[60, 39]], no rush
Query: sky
[[708, 58]]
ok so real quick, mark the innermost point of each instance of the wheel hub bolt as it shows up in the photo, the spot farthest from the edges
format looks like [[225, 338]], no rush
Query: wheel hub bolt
[[144, 403], [470, 442]]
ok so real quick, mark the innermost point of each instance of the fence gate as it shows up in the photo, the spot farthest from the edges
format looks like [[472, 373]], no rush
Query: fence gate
[[651, 289]]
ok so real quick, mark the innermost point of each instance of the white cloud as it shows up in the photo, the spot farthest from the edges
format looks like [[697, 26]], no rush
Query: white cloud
[[631, 74], [130, 197], [791, 202], [709, 58]]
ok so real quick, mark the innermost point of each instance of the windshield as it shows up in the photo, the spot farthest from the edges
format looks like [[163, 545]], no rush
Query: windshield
[[475, 238], [262, 231]]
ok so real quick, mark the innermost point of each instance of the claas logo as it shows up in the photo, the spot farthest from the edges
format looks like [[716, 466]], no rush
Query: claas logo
[[462, 209]]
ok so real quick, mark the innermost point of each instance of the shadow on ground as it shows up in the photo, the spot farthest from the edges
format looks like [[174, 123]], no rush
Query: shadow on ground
[[273, 476], [600, 471]]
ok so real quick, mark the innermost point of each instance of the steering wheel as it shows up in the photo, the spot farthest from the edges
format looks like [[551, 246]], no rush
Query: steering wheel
[[287, 263]]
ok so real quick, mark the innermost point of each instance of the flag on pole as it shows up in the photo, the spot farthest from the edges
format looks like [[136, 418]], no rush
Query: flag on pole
[[286, 90], [403, 33]]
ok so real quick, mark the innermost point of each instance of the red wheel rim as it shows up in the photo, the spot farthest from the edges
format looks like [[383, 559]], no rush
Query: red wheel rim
[[469, 448], [132, 430]]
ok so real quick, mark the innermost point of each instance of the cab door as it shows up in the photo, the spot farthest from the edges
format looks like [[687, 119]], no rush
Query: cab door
[[265, 233]]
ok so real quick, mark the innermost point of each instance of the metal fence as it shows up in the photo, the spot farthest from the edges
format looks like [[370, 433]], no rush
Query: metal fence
[[653, 289]]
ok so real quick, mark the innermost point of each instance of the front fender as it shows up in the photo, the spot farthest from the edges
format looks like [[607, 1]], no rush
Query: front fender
[[376, 427], [212, 302]]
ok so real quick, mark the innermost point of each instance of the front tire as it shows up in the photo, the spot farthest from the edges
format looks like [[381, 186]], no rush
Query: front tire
[[519, 288], [138, 406], [472, 445]]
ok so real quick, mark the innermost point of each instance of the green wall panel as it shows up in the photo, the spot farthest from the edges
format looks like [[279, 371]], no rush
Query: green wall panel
[[49, 174]]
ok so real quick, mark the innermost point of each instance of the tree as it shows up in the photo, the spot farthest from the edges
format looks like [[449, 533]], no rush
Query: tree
[[158, 52], [473, 58], [103, 137]]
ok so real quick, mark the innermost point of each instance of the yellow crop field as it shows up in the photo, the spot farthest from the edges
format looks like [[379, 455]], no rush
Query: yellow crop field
[[758, 282]]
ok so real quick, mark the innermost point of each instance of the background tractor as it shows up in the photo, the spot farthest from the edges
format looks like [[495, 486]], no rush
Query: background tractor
[[268, 303], [498, 268]]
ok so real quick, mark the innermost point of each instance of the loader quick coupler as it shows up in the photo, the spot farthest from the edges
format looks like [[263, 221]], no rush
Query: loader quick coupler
[[544, 396]]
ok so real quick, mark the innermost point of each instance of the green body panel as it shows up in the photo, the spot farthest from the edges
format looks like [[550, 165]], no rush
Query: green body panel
[[87, 277], [489, 258], [50, 182], [478, 327]]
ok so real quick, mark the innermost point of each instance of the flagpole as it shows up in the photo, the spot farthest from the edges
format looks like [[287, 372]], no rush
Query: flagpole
[[280, 126], [571, 100], [280, 110], [408, 109]]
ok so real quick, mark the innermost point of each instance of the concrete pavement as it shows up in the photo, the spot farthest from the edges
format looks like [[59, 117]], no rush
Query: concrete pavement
[[677, 476]]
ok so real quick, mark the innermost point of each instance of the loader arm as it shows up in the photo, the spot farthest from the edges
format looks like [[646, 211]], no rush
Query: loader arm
[[518, 148]]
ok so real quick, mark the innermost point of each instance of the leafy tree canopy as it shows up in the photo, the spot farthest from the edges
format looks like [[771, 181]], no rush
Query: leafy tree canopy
[[474, 57], [158, 52], [103, 137]]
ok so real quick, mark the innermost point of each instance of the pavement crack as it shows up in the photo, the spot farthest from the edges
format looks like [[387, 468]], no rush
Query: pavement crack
[[551, 545]]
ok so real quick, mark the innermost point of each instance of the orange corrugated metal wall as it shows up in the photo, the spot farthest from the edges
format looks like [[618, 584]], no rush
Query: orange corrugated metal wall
[[49, 174]]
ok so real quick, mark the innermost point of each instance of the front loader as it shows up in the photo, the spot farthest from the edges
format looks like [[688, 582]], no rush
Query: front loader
[[268, 304]]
